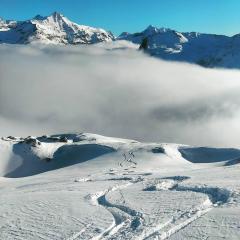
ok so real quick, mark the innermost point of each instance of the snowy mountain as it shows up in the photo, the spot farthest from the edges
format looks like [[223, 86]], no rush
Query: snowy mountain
[[208, 50], [86, 186], [54, 29]]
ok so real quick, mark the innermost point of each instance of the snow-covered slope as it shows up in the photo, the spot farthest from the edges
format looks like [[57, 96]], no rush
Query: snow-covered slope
[[54, 29], [208, 50], [32, 155], [86, 186]]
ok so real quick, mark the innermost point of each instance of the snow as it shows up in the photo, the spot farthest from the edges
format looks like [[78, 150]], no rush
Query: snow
[[208, 50], [54, 29], [87, 186]]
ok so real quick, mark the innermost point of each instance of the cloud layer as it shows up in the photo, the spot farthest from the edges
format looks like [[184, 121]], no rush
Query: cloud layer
[[114, 90]]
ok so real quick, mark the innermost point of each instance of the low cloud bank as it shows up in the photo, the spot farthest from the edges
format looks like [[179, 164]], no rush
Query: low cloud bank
[[114, 90]]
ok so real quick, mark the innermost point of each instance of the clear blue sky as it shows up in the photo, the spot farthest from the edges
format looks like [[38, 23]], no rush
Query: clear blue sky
[[210, 16]]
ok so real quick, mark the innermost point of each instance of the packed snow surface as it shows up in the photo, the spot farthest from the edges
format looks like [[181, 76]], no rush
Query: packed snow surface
[[87, 186]]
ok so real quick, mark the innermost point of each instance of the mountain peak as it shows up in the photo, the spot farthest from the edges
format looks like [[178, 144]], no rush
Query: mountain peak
[[56, 15], [151, 27], [152, 30], [39, 17], [55, 29]]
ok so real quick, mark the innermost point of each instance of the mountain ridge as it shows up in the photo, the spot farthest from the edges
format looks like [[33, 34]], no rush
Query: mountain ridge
[[53, 29], [208, 50]]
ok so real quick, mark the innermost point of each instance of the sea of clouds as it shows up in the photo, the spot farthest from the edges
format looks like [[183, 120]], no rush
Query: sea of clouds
[[115, 90]]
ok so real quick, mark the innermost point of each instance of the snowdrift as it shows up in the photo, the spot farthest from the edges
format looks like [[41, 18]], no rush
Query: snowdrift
[[208, 155], [26, 157], [21, 157]]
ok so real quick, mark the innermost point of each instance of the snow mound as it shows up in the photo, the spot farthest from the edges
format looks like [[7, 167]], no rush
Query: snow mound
[[28, 156], [208, 155], [21, 157]]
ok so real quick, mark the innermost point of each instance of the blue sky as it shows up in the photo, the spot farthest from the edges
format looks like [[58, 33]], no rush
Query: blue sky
[[210, 16]]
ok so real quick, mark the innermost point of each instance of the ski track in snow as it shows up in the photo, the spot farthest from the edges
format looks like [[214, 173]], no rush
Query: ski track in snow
[[99, 198], [77, 234], [133, 219], [129, 219], [216, 197]]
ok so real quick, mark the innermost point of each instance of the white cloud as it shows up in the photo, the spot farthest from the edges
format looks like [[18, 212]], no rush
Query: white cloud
[[115, 90]]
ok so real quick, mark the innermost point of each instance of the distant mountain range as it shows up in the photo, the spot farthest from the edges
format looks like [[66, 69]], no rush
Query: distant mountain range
[[54, 29], [209, 50]]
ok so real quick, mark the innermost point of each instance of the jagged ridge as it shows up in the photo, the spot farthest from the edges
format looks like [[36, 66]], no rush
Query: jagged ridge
[[54, 29]]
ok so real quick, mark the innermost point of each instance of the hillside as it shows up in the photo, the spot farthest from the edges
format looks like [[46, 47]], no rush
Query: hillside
[[87, 186]]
